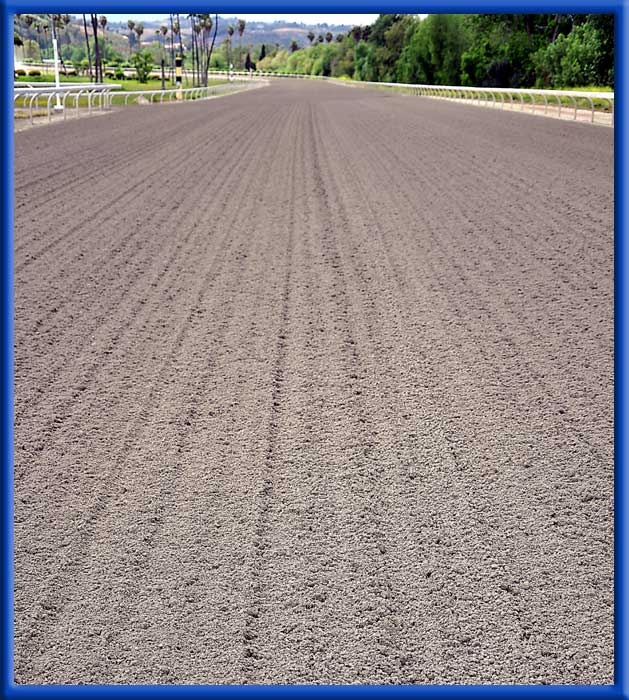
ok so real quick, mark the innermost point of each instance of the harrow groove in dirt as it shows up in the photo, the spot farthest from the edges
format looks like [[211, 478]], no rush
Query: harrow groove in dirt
[[314, 385], [87, 316]]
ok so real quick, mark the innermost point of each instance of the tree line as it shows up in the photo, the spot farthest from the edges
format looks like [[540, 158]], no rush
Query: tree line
[[91, 49], [508, 50]]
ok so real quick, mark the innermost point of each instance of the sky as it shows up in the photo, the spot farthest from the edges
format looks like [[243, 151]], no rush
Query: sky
[[306, 19]]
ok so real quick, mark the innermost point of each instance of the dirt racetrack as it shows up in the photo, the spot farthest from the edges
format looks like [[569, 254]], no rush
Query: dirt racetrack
[[314, 385]]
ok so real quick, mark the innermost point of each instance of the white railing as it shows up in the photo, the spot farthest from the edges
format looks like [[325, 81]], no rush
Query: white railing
[[548, 102], [184, 94], [37, 98], [536, 101], [51, 98]]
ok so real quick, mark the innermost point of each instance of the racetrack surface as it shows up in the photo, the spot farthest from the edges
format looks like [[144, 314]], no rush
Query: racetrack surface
[[314, 385]]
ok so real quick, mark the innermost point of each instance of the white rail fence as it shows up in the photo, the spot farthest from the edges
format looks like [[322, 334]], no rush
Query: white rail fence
[[45, 98], [546, 102], [573, 104], [185, 94], [560, 103]]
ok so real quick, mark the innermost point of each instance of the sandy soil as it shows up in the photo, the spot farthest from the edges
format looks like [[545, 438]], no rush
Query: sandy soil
[[314, 385]]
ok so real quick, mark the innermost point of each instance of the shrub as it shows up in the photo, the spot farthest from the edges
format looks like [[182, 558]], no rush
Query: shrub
[[20, 71], [34, 73], [119, 74], [143, 64]]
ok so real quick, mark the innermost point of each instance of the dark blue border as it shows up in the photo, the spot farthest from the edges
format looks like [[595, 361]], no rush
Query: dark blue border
[[621, 687]]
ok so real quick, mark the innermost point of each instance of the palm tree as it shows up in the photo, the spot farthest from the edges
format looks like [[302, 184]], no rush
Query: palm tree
[[163, 31], [202, 28], [339, 38], [207, 27], [196, 49], [311, 36], [320, 39], [293, 46], [139, 30], [98, 66], [329, 36], [230, 31], [131, 26], [180, 44], [102, 20], [241, 30], [172, 49], [87, 43], [177, 32]]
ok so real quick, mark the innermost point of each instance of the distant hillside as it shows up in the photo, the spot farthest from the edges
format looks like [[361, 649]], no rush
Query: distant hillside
[[270, 33]]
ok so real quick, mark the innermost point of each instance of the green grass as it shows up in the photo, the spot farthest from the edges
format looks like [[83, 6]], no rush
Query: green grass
[[588, 88]]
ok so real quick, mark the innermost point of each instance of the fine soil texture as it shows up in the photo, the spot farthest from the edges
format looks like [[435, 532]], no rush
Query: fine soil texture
[[314, 385]]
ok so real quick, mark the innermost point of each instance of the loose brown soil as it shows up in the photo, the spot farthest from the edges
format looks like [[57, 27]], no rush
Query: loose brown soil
[[314, 385]]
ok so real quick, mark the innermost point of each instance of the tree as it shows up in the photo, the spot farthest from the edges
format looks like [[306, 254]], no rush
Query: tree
[[203, 47], [248, 65], [102, 20], [87, 44], [240, 25], [262, 53], [329, 37], [172, 48], [163, 32], [143, 64], [131, 27], [209, 51], [139, 30], [98, 64], [311, 36], [320, 39], [294, 46], [340, 37], [179, 34], [230, 32]]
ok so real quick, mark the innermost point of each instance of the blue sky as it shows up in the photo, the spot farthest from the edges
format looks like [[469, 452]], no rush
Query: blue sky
[[306, 19]]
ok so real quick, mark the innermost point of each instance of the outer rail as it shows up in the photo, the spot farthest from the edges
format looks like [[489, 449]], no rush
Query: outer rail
[[533, 100]]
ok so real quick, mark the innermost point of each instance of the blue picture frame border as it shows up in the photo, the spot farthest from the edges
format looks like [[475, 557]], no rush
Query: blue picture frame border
[[620, 689]]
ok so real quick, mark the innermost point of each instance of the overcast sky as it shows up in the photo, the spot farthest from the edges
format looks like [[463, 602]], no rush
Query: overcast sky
[[306, 19]]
